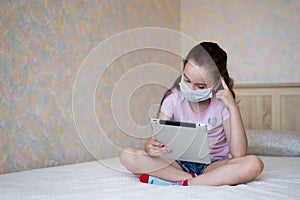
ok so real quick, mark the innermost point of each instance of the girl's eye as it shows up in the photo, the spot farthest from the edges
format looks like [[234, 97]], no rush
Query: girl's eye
[[201, 87], [186, 80]]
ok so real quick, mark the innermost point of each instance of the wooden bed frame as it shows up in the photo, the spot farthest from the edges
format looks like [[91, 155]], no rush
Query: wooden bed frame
[[270, 106]]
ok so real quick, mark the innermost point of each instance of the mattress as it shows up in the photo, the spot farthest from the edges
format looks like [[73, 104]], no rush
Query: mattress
[[108, 179]]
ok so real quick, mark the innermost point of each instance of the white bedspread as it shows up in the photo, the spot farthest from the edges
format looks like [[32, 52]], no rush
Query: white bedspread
[[94, 180]]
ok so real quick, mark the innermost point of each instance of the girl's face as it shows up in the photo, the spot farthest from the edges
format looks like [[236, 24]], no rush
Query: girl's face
[[197, 77]]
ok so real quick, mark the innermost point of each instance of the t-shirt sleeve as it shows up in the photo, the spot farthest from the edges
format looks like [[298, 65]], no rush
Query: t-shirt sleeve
[[167, 106], [225, 114]]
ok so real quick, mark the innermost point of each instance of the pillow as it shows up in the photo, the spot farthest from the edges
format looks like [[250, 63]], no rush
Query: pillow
[[273, 143]]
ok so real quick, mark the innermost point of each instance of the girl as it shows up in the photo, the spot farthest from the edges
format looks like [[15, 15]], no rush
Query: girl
[[200, 95]]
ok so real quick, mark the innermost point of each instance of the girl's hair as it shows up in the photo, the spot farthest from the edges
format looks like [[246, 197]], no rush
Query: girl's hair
[[207, 54]]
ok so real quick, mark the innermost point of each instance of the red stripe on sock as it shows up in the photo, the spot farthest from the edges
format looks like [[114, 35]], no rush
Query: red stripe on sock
[[185, 183], [144, 178]]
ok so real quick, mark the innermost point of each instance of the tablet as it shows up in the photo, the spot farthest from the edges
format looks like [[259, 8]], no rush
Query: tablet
[[189, 141]]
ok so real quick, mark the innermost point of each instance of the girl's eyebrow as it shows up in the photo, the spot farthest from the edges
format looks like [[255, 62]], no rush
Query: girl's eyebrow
[[203, 84], [185, 76]]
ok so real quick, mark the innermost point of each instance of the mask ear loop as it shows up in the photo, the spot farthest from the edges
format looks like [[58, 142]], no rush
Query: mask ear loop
[[184, 61]]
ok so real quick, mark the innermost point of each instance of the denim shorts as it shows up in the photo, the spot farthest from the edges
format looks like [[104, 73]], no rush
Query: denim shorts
[[196, 168]]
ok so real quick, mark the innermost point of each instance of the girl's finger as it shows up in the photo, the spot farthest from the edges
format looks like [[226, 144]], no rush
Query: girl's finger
[[224, 84], [220, 94], [156, 147], [168, 150], [161, 151], [154, 142], [157, 152], [157, 144]]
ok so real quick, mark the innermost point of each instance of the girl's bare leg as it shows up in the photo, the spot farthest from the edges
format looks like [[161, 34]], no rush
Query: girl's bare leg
[[230, 172], [139, 162]]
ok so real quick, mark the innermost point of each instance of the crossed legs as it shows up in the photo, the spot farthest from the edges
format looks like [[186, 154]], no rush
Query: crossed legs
[[225, 172]]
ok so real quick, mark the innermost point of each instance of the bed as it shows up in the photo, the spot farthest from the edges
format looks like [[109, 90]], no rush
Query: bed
[[95, 180], [108, 179]]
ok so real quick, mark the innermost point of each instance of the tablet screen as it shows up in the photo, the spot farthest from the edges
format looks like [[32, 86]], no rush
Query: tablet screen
[[177, 123]]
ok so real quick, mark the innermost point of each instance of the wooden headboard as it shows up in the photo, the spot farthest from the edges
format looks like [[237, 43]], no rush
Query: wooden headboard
[[270, 106]]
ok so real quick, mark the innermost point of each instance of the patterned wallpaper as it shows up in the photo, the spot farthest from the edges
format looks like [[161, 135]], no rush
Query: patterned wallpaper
[[44, 43], [261, 37], [42, 46]]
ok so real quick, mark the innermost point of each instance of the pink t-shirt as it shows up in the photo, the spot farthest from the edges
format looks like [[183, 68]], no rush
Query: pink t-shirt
[[178, 108]]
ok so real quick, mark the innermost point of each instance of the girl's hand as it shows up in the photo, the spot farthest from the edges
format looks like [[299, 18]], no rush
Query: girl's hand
[[155, 148], [225, 96]]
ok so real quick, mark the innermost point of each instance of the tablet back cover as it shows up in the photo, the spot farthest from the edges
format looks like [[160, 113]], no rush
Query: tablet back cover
[[188, 140]]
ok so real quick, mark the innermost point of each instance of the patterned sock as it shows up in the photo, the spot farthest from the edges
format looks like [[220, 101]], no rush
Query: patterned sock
[[145, 178]]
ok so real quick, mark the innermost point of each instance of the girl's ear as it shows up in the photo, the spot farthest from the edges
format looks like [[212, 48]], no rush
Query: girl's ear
[[220, 86]]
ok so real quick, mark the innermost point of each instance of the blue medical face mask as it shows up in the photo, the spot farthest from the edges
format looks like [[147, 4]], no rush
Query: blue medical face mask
[[195, 95]]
